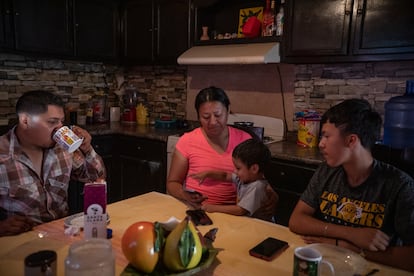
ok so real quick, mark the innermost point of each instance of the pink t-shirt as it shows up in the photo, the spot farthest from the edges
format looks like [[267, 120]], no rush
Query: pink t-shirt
[[202, 157]]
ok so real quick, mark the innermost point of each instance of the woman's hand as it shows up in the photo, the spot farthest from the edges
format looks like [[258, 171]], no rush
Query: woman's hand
[[194, 198]]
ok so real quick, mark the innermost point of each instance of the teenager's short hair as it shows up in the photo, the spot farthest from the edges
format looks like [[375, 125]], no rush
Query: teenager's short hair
[[253, 151], [37, 101], [356, 116]]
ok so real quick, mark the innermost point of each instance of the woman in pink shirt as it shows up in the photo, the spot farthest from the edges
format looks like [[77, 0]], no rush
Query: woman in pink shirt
[[208, 147]]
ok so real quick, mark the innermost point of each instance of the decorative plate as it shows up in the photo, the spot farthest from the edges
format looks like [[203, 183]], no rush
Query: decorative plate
[[206, 261], [77, 220]]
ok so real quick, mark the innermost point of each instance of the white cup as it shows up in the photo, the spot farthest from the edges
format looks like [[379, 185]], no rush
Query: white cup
[[308, 261], [67, 139], [114, 113]]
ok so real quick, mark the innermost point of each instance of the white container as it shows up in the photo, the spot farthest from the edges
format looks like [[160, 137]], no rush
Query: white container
[[114, 113], [67, 139], [90, 257]]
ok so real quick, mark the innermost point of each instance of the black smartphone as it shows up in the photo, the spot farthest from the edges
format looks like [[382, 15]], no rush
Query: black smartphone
[[269, 249], [199, 217]]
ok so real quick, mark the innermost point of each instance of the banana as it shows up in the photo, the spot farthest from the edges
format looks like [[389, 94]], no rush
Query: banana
[[183, 248]]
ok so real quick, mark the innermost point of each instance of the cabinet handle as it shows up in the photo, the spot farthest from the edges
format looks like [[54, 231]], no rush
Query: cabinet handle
[[360, 9], [17, 14], [7, 11], [138, 147], [282, 173], [348, 7]]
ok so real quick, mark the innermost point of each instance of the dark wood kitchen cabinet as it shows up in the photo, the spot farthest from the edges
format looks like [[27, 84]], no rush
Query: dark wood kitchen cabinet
[[351, 30], [289, 179], [103, 145], [140, 166], [155, 31], [6, 31], [42, 26], [134, 166], [96, 29]]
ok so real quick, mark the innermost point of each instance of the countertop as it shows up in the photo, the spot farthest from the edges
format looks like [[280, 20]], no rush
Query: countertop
[[285, 150]]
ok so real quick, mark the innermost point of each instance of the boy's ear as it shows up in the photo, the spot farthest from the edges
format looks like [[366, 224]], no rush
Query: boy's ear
[[254, 168]]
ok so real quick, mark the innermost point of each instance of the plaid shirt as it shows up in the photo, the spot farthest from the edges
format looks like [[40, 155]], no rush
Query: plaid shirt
[[42, 198]]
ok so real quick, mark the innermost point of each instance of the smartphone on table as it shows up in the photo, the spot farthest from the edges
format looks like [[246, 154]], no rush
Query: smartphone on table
[[269, 249], [199, 217]]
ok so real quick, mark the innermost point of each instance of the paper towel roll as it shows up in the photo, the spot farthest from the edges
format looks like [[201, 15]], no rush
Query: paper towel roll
[[114, 113]]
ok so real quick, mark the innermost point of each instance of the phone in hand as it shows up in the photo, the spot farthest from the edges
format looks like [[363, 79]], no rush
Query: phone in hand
[[199, 217], [269, 249]]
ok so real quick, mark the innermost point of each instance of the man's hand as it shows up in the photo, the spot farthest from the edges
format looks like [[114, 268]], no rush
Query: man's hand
[[86, 146], [14, 225], [369, 238]]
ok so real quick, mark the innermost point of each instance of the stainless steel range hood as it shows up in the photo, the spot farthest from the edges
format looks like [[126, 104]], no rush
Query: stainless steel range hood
[[252, 53]]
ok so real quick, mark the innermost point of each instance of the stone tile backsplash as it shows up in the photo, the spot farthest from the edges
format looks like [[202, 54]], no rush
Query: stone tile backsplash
[[316, 86]]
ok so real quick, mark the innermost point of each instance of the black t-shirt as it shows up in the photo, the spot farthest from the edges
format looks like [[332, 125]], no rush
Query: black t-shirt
[[384, 201]]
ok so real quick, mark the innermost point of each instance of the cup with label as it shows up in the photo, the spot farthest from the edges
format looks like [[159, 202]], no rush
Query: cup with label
[[308, 261], [67, 139]]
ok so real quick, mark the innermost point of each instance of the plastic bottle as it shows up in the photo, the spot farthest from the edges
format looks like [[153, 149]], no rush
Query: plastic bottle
[[399, 119], [279, 22], [268, 23]]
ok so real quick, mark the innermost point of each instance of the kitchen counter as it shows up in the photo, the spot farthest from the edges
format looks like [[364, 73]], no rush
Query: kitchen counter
[[287, 150], [141, 131]]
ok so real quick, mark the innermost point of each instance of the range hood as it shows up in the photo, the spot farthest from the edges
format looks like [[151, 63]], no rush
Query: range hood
[[251, 53]]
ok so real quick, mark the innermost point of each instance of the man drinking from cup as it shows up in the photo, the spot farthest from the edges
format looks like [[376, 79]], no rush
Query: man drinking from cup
[[34, 170]]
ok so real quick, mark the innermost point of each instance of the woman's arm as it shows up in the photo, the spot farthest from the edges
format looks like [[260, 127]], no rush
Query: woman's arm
[[176, 178]]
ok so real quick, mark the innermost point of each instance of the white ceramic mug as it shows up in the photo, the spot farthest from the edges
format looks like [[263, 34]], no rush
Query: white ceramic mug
[[67, 139], [308, 261]]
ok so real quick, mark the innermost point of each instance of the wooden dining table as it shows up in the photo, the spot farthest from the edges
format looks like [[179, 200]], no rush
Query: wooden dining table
[[235, 236]]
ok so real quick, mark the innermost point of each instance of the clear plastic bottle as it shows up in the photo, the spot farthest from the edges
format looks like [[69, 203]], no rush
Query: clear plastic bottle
[[279, 22]]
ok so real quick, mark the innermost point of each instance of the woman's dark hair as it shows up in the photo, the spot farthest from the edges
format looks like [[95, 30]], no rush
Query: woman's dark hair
[[211, 94], [356, 116], [36, 102], [253, 151]]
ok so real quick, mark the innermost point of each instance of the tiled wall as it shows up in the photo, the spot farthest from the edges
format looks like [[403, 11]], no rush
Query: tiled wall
[[79, 82], [320, 86], [312, 86]]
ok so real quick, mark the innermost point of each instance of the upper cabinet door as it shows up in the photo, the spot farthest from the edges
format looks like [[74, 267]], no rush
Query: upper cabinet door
[[6, 32], [384, 27], [96, 29], [138, 31], [318, 27], [155, 31], [173, 30], [42, 26]]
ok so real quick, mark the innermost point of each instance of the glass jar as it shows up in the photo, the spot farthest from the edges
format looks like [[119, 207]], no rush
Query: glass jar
[[90, 257]]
